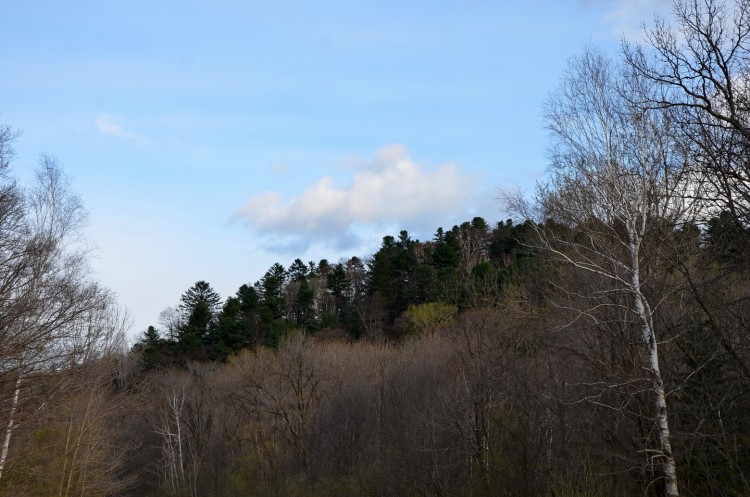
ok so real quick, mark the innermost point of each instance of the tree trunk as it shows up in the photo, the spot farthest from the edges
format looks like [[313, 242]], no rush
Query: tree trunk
[[660, 398], [11, 424]]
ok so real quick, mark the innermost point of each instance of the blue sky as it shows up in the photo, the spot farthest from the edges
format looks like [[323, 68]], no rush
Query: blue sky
[[209, 140]]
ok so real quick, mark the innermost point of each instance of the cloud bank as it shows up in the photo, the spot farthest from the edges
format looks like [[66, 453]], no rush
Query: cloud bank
[[390, 189]]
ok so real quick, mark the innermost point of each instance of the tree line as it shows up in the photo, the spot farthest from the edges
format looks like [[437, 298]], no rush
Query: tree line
[[597, 344], [378, 297]]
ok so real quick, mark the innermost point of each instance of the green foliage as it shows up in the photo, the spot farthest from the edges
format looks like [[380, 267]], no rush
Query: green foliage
[[199, 306], [428, 317], [351, 295], [278, 330], [446, 251], [270, 291], [338, 282], [150, 343], [199, 295], [391, 273]]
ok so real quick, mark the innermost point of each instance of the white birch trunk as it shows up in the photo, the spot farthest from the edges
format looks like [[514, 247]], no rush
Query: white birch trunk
[[172, 441], [660, 398], [11, 424]]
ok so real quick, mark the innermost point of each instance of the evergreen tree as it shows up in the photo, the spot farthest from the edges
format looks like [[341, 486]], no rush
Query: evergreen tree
[[199, 306], [297, 270], [270, 289], [338, 284], [150, 347], [391, 274], [200, 293], [238, 325]]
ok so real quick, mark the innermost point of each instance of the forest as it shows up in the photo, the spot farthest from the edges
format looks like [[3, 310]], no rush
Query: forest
[[595, 343]]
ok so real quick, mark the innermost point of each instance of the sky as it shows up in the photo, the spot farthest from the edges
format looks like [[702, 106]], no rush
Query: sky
[[209, 140]]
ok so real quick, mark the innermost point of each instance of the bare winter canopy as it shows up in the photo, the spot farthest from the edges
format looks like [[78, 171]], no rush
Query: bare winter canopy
[[617, 183], [701, 65], [53, 317]]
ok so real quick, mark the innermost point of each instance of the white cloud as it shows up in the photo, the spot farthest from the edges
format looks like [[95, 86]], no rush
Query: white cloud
[[390, 189], [108, 125]]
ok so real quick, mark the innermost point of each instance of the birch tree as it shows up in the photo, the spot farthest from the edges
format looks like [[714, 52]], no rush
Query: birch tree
[[47, 298], [701, 63], [170, 431], [616, 185]]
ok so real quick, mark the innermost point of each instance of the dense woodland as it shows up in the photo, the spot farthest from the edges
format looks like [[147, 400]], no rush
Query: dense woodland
[[597, 344]]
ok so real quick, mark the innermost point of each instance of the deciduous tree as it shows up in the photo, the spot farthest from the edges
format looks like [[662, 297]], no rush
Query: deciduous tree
[[617, 185], [47, 299]]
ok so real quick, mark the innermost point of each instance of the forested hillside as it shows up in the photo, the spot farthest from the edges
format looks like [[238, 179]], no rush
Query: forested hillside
[[597, 343], [405, 288]]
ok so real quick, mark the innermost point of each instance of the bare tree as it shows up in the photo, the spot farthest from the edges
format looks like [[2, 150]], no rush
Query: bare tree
[[92, 456], [171, 319], [298, 384], [702, 66], [616, 186], [7, 136], [170, 431], [49, 306]]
